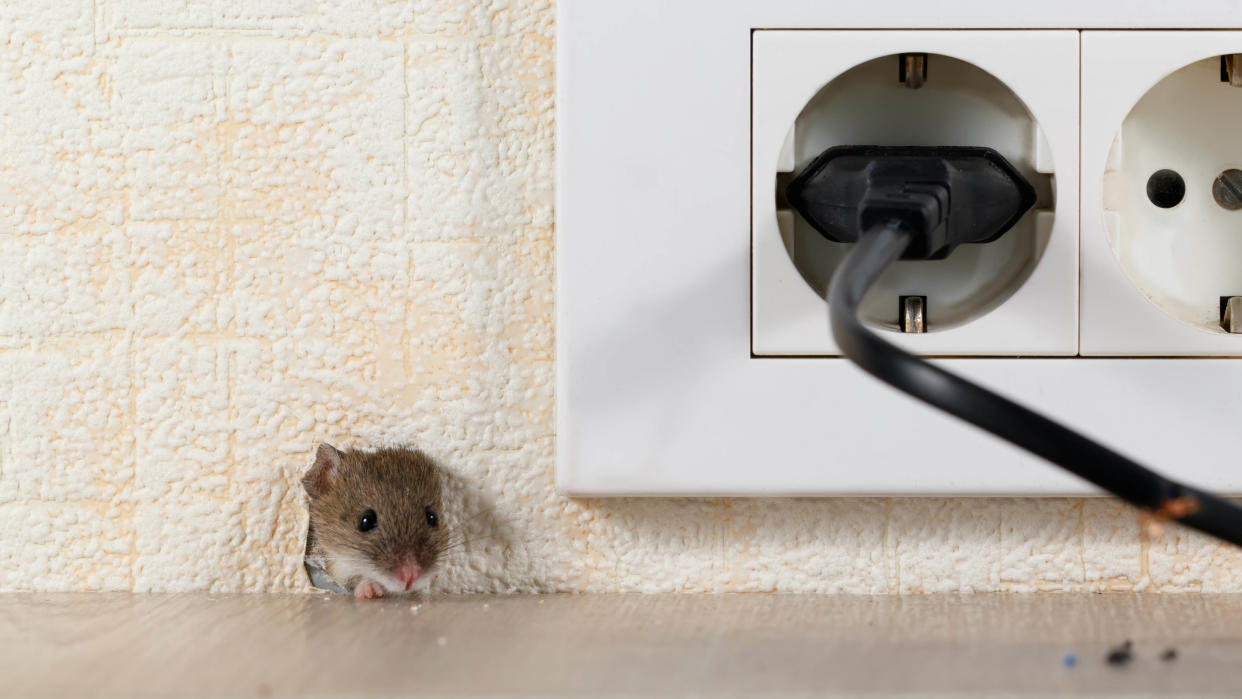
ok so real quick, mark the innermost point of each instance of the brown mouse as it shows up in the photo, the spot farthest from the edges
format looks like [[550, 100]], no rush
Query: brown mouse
[[375, 521]]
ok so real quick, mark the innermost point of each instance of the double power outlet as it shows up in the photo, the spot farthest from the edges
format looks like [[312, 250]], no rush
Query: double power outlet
[[687, 291], [1130, 137]]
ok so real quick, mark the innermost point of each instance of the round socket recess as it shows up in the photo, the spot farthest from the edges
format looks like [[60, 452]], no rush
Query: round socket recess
[[952, 103], [1186, 257]]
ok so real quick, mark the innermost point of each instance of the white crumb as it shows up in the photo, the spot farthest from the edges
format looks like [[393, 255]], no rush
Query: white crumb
[[442, 641]]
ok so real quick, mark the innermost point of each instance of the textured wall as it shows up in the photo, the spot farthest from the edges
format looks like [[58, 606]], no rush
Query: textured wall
[[232, 229]]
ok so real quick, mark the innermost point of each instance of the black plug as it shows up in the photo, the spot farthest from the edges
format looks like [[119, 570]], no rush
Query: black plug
[[946, 195]]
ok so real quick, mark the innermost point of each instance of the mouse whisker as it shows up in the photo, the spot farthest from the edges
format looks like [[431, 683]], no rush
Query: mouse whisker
[[476, 534], [457, 539], [483, 513], [465, 543]]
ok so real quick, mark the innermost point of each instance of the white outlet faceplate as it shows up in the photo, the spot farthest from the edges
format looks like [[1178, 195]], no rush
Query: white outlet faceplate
[[660, 390]]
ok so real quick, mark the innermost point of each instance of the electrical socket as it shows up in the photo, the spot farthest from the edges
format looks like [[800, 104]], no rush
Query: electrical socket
[[659, 391], [1014, 91], [1152, 277]]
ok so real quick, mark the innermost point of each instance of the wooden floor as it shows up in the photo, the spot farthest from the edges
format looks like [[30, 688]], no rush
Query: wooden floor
[[763, 645]]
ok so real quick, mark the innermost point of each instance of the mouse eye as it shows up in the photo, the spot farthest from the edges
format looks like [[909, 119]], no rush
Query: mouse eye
[[433, 520], [367, 521]]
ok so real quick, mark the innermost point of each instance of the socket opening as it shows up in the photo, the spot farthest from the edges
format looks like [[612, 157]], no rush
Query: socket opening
[[1186, 257], [949, 102]]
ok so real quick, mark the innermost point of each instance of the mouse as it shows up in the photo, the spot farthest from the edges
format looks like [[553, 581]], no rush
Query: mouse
[[376, 526]]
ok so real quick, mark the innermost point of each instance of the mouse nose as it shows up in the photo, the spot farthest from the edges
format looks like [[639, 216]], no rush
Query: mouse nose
[[408, 573]]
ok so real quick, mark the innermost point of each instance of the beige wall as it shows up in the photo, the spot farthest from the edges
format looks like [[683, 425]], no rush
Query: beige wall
[[228, 233]]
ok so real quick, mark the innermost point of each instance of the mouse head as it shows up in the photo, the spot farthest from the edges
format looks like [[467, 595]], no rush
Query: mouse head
[[378, 515]]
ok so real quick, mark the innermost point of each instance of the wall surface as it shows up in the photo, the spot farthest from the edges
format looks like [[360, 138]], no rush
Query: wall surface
[[230, 230]]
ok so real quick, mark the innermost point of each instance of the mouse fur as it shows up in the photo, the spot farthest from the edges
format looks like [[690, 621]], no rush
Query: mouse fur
[[376, 521]]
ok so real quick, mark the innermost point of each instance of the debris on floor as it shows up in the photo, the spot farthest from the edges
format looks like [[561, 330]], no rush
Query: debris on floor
[[1122, 654], [1069, 660], [1169, 655]]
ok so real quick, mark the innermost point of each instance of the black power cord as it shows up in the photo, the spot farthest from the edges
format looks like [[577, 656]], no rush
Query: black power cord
[[906, 204]]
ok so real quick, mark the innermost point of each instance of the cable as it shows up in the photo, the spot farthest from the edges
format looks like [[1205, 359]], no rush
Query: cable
[[918, 202], [881, 245]]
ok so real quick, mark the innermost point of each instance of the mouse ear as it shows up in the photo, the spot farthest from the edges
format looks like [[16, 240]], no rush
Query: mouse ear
[[322, 476]]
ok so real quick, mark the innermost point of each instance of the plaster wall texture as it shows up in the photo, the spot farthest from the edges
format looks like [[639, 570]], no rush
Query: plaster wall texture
[[230, 230]]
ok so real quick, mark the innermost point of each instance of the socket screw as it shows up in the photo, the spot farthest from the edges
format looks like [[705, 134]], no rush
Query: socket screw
[[1227, 189]]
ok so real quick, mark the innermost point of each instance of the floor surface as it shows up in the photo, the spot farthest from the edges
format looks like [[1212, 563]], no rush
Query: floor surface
[[735, 645]]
